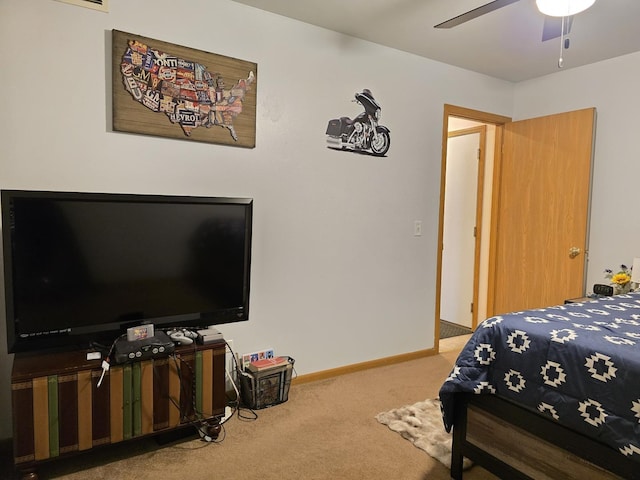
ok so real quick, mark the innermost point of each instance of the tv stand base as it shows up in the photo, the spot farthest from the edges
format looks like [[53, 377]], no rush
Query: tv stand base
[[59, 411]]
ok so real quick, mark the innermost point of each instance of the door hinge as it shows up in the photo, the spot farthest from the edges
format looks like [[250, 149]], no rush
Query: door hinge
[[475, 232], [471, 305], [478, 154]]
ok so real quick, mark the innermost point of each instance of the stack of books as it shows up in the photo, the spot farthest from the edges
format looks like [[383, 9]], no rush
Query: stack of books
[[267, 363]]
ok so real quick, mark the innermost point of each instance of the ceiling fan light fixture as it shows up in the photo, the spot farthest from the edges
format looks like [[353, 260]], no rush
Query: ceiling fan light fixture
[[563, 8]]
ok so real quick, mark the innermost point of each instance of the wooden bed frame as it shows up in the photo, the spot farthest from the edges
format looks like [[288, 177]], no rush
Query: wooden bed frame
[[516, 443]]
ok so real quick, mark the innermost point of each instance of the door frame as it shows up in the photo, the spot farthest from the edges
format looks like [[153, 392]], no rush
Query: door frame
[[482, 117]]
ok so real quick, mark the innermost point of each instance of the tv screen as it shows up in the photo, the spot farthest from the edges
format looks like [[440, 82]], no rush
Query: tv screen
[[83, 267]]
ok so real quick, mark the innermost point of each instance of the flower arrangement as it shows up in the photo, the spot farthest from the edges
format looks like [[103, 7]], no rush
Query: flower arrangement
[[621, 280]]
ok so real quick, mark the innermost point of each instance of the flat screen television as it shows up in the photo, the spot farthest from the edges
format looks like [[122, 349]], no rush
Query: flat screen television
[[80, 268]]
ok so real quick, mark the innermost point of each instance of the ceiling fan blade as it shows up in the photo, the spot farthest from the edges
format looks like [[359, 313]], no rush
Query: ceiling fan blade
[[553, 27], [475, 13]]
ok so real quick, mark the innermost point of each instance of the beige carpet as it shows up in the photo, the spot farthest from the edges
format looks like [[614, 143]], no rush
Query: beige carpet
[[421, 424]]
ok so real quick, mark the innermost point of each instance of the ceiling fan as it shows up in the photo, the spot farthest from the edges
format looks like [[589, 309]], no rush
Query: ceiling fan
[[557, 13]]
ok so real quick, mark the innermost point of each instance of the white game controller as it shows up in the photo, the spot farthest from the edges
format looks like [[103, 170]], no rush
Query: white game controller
[[182, 336]]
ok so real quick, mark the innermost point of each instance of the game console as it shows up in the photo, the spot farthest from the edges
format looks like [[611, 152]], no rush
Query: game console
[[160, 345]]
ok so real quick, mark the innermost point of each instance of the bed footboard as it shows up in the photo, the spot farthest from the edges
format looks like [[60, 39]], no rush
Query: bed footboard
[[516, 443]]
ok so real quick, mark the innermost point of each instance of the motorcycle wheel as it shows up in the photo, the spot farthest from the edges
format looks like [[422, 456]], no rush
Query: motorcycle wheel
[[380, 143]]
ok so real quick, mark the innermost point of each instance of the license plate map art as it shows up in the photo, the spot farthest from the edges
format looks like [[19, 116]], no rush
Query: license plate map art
[[182, 88]]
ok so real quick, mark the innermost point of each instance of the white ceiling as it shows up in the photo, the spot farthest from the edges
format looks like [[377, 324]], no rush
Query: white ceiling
[[505, 43]]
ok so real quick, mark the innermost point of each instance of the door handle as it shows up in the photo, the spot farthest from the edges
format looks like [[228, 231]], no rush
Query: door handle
[[574, 252]]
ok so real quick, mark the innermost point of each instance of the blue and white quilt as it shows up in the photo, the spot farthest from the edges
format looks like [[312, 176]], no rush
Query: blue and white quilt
[[578, 364]]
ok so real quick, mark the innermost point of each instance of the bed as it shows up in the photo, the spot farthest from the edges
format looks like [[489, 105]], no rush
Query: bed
[[550, 393]]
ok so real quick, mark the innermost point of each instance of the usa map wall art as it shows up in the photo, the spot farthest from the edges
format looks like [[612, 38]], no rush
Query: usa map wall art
[[173, 91]]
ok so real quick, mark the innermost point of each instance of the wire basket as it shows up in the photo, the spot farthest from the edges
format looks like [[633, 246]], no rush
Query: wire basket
[[267, 388]]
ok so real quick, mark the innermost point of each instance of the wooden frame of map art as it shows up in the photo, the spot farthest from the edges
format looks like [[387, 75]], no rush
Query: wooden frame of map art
[[102, 5], [172, 91]]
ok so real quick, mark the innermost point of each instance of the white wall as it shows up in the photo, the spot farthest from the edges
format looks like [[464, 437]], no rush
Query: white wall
[[612, 88], [338, 277]]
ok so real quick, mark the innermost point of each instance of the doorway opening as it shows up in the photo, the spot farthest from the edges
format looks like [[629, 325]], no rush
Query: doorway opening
[[468, 153], [462, 223]]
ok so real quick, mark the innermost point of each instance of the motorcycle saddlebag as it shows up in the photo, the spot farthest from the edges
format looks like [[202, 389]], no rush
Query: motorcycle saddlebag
[[334, 128]]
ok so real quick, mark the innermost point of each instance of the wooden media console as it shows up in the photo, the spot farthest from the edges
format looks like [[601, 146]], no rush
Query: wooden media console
[[59, 410]]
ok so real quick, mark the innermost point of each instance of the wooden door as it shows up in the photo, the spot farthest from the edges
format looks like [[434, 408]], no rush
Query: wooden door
[[541, 211]]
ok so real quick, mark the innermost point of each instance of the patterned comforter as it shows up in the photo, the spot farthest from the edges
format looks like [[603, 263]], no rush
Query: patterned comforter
[[578, 364]]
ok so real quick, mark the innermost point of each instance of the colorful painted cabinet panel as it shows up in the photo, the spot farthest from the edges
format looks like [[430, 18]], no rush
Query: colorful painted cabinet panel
[[58, 411]]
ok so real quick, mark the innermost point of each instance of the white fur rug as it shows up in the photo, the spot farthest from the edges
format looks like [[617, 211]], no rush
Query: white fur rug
[[422, 425]]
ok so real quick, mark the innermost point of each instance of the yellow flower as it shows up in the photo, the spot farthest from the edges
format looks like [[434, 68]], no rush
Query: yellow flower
[[621, 278]]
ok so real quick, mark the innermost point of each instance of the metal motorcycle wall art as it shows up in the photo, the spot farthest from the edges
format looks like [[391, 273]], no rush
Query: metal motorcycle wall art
[[363, 133]]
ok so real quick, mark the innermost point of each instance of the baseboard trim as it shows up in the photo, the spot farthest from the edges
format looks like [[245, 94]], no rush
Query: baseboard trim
[[358, 367]]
